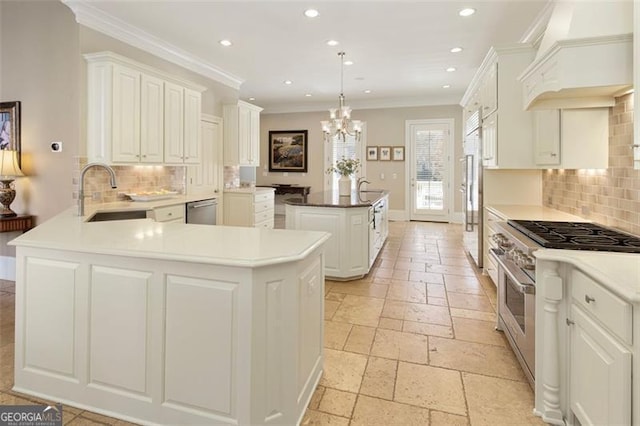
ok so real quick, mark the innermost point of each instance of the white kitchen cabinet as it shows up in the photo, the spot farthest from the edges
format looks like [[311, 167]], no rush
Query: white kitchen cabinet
[[241, 134], [137, 114], [636, 82], [489, 90], [600, 374], [249, 208], [571, 138], [126, 114], [151, 121], [206, 177], [173, 214], [490, 141], [489, 265], [507, 129]]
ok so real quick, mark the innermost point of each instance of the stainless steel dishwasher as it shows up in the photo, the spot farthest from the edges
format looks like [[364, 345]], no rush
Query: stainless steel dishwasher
[[202, 212]]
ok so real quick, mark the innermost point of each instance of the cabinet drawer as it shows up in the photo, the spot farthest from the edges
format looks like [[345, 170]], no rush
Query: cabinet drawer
[[609, 309], [263, 206], [169, 213], [264, 224], [265, 215], [263, 196]]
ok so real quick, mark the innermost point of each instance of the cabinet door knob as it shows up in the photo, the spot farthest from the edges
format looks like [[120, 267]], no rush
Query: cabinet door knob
[[553, 154], [588, 298], [569, 322]]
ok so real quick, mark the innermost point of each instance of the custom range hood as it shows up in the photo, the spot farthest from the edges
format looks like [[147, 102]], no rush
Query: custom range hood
[[585, 57]]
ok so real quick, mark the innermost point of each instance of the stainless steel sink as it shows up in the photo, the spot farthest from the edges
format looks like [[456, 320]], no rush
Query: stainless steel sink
[[118, 215]]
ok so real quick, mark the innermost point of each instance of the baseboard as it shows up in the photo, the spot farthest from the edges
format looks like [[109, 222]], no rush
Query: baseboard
[[398, 215], [7, 268]]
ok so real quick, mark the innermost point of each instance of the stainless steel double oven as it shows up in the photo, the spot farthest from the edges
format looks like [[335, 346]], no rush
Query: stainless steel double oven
[[516, 295]]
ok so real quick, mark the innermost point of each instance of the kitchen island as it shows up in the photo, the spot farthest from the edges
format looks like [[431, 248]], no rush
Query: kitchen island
[[169, 323], [358, 225]]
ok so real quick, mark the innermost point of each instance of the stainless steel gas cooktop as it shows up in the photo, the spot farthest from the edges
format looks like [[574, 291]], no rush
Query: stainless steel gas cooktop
[[577, 236]]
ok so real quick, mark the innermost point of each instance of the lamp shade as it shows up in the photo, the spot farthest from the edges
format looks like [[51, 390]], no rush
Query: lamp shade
[[9, 164]]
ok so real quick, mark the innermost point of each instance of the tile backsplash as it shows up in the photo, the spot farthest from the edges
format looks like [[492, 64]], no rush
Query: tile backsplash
[[610, 197], [131, 179]]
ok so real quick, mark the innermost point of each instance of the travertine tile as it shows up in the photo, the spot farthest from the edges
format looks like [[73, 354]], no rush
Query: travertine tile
[[408, 291], [394, 309], [439, 418], [459, 270], [361, 289], [494, 401], [428, 313], [343, 370], [335, 334], [478, 315], [469, 301], [398, 345], [436, 290], [390, 323], [473, 330], [359, 310], [379, 378], [437, 301], [428, 329], [378, 412], [337, 297], [316, 397], [461, 284], [426, 277], [477, 358], [430, 387], [410, 266], [337, 402], [360, 339], [317, 418], [330, 308]]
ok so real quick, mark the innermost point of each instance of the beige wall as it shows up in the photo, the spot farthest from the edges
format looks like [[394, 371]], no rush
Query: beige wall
[[385, 127], [39, 49], [612, 196]]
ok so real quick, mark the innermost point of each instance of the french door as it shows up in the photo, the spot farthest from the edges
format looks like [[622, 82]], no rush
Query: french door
[[429, 169]]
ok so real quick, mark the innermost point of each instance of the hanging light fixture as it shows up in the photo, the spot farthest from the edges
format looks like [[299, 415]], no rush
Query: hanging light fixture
[[340, 123]]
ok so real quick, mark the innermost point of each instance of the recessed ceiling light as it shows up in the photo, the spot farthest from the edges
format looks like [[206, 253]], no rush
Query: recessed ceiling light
[[252, 99], [456, 50], [446, 86], [308, 95], [225, 43], [288, 82], [451, 69], [367, 91], [467, 12], [311, 13], [348, 62], [332, 43]]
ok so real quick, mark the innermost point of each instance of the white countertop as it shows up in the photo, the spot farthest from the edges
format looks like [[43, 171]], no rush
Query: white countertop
[[532, 212], [250, 190], [619, 272], [219, 245], [145, 205]]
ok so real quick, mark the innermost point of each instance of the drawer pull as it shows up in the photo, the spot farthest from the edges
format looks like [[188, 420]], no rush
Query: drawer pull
[[588, 298], [569, 322]]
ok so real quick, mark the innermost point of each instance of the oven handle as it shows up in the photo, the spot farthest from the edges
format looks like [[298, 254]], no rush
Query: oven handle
[[504, 264]]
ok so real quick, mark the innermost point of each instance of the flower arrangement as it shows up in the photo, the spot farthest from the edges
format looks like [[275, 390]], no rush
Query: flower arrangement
[[345, 167]]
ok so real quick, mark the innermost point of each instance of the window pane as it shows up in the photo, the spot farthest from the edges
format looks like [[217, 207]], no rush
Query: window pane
[[430, 169]]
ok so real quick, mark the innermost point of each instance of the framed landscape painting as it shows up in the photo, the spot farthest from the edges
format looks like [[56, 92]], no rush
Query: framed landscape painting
[[288, 151]]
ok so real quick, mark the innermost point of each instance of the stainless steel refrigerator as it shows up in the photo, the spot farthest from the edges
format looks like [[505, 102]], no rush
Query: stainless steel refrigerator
[[472, 188]]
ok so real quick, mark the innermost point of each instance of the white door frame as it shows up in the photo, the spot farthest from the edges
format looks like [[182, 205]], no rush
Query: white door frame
[[409, 158]]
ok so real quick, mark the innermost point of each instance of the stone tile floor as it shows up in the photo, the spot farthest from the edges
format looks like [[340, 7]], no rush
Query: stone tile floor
[[412, 343]]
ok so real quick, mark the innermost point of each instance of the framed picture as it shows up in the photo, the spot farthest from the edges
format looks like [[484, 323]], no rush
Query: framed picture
[[288, 151], [385, 153], [372, 153], [10, 127], [397, 153]]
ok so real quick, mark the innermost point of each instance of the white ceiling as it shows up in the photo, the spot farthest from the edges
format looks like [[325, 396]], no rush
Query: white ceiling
[[400, 49]]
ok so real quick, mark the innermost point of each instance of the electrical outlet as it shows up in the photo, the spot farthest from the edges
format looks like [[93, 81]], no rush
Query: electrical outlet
[[395, 176], [381, 176]]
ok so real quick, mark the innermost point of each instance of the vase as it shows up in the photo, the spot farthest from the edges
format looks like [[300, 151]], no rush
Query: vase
[[344, 186]]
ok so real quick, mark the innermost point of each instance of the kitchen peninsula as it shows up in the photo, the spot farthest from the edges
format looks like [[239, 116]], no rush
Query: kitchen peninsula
[[358, 225], [170, 323]]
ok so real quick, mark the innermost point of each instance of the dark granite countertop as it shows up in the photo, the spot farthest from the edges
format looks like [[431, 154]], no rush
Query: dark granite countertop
[[332, 199]]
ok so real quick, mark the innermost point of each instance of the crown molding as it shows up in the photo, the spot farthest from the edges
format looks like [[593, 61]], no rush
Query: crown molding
[[406, 102], [94, 18], [536, 30]]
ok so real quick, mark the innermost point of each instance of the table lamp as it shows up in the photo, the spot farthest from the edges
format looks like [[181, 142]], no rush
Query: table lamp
[[9, 170]]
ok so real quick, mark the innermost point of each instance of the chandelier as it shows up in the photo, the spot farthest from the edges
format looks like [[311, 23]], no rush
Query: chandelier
[[340, 123]]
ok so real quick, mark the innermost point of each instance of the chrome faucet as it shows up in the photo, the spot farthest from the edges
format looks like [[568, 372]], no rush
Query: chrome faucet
[[360, 182], [82, 173]]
